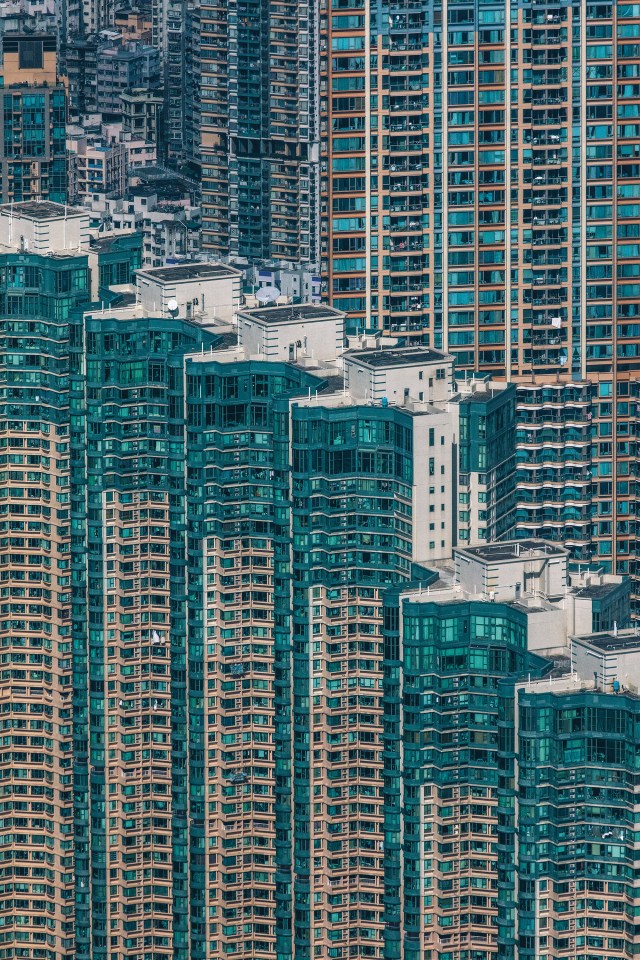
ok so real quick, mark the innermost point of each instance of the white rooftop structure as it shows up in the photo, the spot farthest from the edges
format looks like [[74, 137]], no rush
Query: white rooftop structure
[[203, 292], [292, 332], [41, 226]]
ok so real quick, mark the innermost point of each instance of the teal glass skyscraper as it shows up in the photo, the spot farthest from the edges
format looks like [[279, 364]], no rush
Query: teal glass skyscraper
[[509, 784], [568, 800], [240, 714], [443, 665], [36, 783]]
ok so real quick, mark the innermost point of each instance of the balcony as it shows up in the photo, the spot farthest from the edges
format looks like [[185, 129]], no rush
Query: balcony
[[544, 138], [547, 257], [406, 285], [405, 43], [405, 124], [401, 163], [402, 244], [407, 265], [407, 83], [546, 57], [556, 13], [405, 185], [540, 340], [540, 298], [545, 97]]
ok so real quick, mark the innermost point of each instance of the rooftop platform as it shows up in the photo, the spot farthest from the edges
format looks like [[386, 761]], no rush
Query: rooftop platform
[[40, 210], [294, 313], [400, 357], [190, 271], [513, 550]]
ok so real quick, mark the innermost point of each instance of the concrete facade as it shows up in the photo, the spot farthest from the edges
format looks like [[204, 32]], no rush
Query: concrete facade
[[422, 374], [44, 227], [286, 332], [203, 292]]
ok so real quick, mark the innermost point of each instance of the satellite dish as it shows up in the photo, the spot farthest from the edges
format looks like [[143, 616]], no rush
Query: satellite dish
[[172, 305], [267, 294]]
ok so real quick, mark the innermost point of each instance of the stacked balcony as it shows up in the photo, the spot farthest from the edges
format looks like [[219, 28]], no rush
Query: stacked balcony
[[405, 180], [553, 462], [546, 191]]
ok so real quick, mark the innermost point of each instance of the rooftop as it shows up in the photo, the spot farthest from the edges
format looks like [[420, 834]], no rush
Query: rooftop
[[41, 210], [294, 313], [561, 666], [613, 641], [23, 35], [513, 550], [190, 271], [529, 608], [142, 93], [400, 357], [126, 311], [113, 242], [128, 53], [125, 299], [483, 393], [596, 591]]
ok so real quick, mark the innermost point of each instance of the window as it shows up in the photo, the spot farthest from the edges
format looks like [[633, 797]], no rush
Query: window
[[31, 54]]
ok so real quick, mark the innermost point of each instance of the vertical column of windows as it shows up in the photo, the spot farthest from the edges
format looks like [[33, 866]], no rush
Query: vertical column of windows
[[553, 463]]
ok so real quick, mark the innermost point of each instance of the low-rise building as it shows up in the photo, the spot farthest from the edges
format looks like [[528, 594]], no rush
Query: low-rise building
[[203, 292], [142, 114], [122, 67], [171, 232], [133, 24], [139, 152], [97, 166], [168, 221]]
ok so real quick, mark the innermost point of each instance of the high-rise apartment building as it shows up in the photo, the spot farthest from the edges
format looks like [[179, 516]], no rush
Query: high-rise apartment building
[[472, 144], [84, 18], [441, 717], [197, 555], [37, 867], [171, 34], [81, 71], [38, 291], [567, 791], [241, 714], [256, 128], [479, 173], [509, 792], [34, 110]]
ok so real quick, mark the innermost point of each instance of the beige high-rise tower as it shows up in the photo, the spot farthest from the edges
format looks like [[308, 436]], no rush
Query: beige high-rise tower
[[33, 163]]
